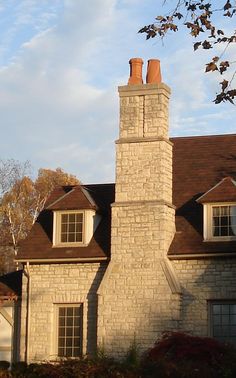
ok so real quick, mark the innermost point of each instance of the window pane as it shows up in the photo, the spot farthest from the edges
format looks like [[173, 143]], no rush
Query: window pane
[[225, 309], [79, 227], [216, 211], [61, 352], [72, 227], [216, 309], [69, 352], [79, 218], [71, 238], [61, 342], [217, 319], [77, 342], [62, 331], [69, 342], [61, 321], [78, 237], [72, 218], [69, 332], [62, 311], [233, 331], [64, 218], [225, 319], [69, 311], [76, 352], [224, 221], [224, 210], [64, 227], [64, 238], [224, 231], [216, 231]]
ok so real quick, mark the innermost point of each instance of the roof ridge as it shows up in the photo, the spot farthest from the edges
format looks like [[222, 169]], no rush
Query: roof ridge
[[202, 136]]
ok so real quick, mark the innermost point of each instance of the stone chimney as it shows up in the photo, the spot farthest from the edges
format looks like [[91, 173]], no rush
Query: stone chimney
[[137, 299], [144, 152]]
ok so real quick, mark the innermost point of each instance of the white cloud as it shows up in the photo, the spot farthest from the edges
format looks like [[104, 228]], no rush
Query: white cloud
[[58, 96]]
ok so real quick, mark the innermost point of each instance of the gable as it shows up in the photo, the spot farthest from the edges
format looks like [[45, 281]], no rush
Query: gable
[[77, 197], [224, 191]]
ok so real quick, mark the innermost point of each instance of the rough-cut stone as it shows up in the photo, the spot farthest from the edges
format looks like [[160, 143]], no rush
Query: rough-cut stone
[[59, 284]]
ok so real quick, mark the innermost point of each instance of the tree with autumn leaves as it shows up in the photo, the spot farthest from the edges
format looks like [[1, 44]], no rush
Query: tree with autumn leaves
[[201, 18], [22, 198]]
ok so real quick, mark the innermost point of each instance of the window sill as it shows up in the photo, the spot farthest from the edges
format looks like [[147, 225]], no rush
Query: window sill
[[69, 245], [221, 239]]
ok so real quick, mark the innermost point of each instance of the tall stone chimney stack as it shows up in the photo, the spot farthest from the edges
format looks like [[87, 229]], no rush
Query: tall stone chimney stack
[[144, 152], [137, 298]]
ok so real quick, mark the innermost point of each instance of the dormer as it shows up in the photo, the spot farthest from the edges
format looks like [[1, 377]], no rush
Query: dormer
[[75, 218], [219, 211]]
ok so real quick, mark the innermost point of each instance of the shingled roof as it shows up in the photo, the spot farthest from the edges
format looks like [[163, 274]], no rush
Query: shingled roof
[[199, 163]]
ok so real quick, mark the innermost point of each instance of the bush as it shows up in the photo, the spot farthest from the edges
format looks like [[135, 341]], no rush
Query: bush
[[175, 355], [180, 355]]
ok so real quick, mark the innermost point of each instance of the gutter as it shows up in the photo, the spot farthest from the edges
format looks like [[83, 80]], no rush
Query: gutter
[[27, 274], [61, 260], [194, 256]]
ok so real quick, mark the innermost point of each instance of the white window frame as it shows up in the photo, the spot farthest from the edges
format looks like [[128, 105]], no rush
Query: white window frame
[[56, 328], [208, 222], [57, 228]]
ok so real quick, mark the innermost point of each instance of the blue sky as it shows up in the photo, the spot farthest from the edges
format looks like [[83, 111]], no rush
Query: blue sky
[[60, 64]]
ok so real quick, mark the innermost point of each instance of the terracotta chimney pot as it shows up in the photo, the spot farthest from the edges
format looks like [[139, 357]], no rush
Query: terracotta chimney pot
[[136, 65], [153, 72]]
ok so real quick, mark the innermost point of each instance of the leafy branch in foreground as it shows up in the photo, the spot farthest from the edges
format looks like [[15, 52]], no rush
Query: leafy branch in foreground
[[197, 16]]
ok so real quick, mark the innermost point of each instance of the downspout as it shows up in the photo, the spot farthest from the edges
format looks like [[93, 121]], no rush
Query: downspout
[[27, 274]]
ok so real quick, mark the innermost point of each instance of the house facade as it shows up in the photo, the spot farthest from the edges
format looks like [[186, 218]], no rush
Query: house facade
[[108, 264]]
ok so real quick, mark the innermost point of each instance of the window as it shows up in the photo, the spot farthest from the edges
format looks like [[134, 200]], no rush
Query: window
[[223, 221], [223, 320], [219, 222], [69, 330], [68, 228], [71, 228]]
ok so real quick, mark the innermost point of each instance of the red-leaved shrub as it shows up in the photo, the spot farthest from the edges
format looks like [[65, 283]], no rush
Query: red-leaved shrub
[[180, 355]]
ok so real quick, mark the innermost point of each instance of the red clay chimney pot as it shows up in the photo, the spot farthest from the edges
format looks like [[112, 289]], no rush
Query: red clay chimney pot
[[153, 72], [135, 71]]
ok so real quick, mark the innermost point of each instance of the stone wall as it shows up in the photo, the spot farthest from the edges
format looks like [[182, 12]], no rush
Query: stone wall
[[203, 280], [59, 284]]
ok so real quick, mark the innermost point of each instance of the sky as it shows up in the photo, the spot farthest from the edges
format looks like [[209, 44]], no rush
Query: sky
[[61, 62]]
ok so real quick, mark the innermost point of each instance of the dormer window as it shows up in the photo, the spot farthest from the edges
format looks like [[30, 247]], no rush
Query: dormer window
[[219, 206], [74, 228], [69, 227], [219, 222]]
